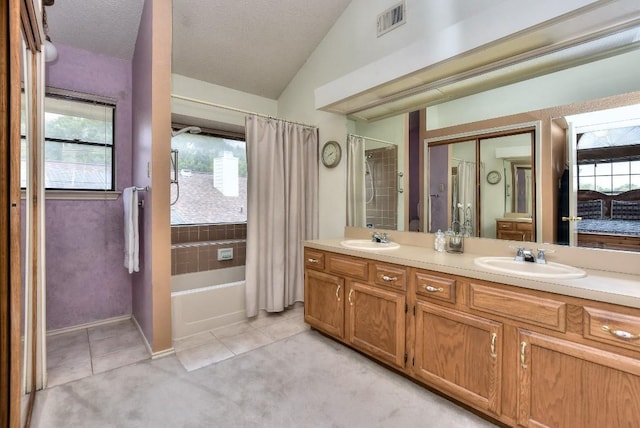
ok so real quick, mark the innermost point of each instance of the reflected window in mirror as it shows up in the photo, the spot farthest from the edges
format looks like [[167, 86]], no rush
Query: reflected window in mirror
[[608, 176]]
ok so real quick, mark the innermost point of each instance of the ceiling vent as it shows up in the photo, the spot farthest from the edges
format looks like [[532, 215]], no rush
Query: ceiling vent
[[392, 18]]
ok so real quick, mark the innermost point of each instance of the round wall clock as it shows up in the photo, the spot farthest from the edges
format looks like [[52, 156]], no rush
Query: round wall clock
[[494, 177], [331, 154]]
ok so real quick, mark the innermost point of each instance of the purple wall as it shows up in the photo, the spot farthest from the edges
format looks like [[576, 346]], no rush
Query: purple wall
[[438, 185], [86, 279], [142, 67], [414, 164]]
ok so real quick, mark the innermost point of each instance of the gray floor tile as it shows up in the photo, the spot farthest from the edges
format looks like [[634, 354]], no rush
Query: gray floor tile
[[203, 355], [246, 341]]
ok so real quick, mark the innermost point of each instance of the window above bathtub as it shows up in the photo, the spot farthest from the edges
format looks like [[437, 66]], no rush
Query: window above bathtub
[[78, 143], [211, 178]]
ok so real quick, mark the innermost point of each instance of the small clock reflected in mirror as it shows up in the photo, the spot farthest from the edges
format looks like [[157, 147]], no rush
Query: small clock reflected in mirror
[[494, 177]]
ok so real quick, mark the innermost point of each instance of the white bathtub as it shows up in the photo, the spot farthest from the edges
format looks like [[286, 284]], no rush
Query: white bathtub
[[203, 301]]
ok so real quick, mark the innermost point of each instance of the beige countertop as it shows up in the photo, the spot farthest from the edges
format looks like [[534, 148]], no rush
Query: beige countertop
[[599, 285], [516, 219]]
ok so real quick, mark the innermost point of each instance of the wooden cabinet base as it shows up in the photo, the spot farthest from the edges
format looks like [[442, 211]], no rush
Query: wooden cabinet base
[[521, 357]]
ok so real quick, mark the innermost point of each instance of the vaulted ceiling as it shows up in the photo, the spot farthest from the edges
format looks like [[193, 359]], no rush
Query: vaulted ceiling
[[254, 46]]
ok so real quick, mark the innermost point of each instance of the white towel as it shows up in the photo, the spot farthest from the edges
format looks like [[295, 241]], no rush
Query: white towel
[[131, 246]]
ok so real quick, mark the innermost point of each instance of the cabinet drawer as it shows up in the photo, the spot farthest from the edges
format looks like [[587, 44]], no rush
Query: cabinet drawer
[[345, 265], [524, 226], [436, 287], [611, 327], [540, 311], [313, 259], [514, 225], [505, 225], [390, 276]]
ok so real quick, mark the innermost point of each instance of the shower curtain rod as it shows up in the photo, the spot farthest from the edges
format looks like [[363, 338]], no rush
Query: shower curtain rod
[[237, 110], [462, 160], [372, 139]]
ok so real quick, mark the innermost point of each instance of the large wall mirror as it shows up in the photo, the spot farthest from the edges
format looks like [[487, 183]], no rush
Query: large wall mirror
[[517, 154]]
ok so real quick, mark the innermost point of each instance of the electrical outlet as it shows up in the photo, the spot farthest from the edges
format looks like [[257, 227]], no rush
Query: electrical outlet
[[225, 254]]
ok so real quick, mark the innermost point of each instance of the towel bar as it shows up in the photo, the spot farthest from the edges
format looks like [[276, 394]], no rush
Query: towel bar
[[141, 189]]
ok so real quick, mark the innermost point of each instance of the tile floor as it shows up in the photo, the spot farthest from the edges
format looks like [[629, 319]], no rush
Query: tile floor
[[79, 354], [212, 346]]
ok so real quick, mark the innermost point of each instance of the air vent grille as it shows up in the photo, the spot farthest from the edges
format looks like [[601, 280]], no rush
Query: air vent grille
[[391, 18]]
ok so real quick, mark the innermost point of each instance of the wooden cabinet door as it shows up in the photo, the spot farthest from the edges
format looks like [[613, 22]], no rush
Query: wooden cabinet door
[[564, 384], [376, 322], [512, 235], [461, 354], [323, 302]]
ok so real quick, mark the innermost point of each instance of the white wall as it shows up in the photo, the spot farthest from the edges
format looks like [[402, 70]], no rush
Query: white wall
[[349, 45], [436, 30], [197, 89], [611, 76]]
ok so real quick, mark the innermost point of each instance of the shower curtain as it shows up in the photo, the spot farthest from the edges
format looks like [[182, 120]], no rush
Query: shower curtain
[[356, 209], [282, 210], [466, 204]]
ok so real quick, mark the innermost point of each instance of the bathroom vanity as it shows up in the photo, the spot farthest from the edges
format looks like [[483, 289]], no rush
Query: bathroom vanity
[[524, 351], [514, 229]]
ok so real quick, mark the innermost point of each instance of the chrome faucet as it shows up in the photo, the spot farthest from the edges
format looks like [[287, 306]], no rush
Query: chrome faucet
[[525, 255], [380, 237], [540, 257]]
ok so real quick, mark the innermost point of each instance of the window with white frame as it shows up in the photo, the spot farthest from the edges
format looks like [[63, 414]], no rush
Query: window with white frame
[[79, 144], [212, 179], [609, 160]]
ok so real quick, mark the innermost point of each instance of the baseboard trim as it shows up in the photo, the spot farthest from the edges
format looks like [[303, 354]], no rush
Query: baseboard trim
[[154, 355], [89, 325]]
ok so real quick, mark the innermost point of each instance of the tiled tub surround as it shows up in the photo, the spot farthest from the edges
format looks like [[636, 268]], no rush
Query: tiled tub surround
[[207, 293], [195, 248], [382, 210]]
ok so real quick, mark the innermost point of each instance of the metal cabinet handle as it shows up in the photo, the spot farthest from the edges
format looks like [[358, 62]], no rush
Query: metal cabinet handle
[[388, 278], [523, 352], [621, 334], [400, 182], [310, 260], [337, 292], [494, 336], [350, 293], [432, 289]]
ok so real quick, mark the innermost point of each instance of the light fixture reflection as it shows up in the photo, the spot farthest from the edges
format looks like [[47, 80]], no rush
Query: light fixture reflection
[[50, 51]]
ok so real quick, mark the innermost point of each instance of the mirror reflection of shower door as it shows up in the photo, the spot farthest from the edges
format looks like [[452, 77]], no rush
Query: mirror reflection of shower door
[[381, 193], [369, 181], [373, 183]]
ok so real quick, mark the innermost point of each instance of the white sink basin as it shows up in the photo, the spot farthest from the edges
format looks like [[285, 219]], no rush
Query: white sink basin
[[533, 270], [367, 244]]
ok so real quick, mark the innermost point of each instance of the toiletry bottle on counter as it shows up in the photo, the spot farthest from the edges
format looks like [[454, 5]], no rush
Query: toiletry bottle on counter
[[439, 241], [455, 242]]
